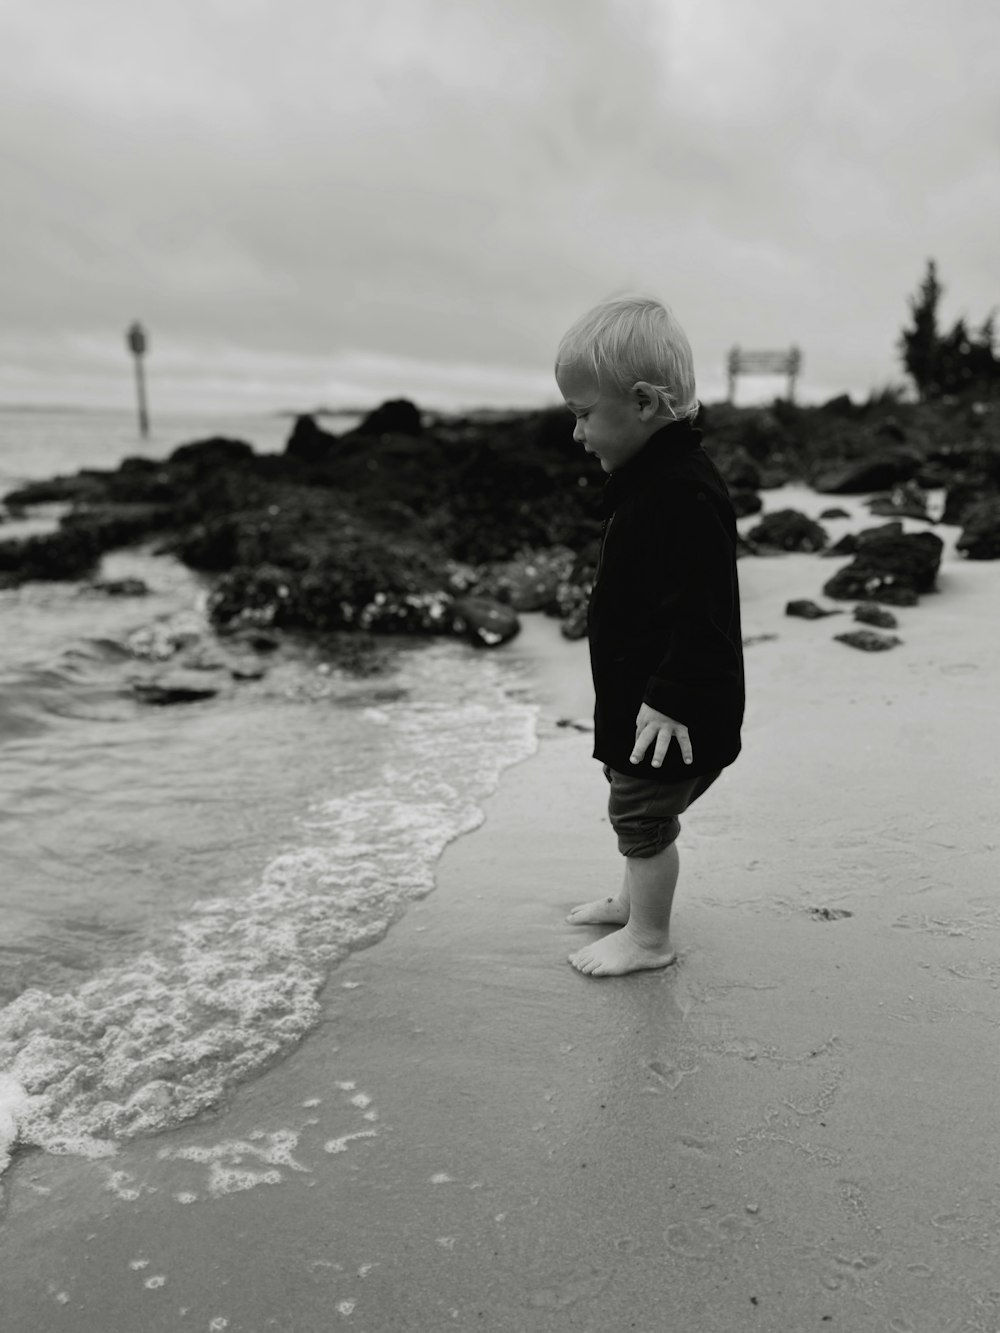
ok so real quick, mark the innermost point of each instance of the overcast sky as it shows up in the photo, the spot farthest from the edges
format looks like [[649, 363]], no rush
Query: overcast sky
[[339, 201]]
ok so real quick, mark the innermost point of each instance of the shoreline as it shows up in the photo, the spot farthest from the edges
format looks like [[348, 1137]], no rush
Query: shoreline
[[793, 1126]]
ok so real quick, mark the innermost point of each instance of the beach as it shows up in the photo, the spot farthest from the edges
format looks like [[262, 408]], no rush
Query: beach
[[793, 1127]]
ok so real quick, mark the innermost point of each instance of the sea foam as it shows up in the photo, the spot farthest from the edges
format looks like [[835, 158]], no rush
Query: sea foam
[[146, 1044]]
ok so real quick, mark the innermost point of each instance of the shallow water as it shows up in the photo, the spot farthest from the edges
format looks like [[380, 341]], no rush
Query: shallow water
[[176, 882]]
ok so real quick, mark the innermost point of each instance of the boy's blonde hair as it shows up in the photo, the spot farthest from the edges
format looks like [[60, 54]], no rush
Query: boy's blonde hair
[[632, 338]]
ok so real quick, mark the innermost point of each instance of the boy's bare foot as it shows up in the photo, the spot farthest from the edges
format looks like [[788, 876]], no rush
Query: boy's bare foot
[[619, 953], [601, 912]]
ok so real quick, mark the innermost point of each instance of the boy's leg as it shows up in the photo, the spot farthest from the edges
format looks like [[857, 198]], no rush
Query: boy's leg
[[644, 939]]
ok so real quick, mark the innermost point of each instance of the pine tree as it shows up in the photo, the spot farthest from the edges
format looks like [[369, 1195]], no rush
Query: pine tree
[[919, 345]]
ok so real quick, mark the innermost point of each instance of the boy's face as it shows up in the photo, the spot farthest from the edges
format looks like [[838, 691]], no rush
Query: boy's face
[[609, 424]]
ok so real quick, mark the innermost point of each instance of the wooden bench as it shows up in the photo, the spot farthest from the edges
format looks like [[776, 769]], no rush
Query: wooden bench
[[764, 363]]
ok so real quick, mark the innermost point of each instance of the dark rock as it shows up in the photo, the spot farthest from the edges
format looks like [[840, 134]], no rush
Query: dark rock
[[398, 416], [532, 582], [908, 500], [841, 406], [308, 442], [964, 494], [121, 587], [888, 569], [486, 623], [870, 613], [851, 542], [738, 469], [775, 474], [788, 530], [835, 512], [87, 484], [74, 549], [201, 456], [890, 429], [980, 539], [257, 640], [574, 625], [746, 502], [807, 609], [66, 554], [172, 690], [868, 640], [872, 473]]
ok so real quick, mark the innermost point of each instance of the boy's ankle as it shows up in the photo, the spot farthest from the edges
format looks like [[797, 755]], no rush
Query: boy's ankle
[[656, 941]]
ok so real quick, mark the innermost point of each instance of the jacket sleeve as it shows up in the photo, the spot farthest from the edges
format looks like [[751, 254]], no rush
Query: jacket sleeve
[[696, 620]]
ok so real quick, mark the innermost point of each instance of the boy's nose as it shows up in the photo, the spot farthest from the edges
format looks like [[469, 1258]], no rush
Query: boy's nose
[[578, 434]]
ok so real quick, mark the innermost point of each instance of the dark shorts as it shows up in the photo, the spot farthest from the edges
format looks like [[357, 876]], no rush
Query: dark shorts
[[644, 813]]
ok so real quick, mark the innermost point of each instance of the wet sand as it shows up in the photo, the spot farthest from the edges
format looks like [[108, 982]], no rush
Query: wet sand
[[795, 1127]]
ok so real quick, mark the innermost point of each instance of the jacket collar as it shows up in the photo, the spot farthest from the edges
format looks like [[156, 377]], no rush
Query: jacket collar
[[660, 452]]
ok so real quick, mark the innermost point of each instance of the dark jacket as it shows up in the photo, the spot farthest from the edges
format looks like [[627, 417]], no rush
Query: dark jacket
[[664, 618]]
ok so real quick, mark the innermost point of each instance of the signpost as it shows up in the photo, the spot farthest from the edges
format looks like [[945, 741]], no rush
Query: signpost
[[764, 363], [136, 339]]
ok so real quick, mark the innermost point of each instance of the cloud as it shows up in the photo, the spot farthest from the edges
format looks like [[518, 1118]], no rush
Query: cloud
[[441, 184]]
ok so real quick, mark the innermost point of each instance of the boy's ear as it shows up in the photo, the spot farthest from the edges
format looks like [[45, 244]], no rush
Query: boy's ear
[[646, 399]]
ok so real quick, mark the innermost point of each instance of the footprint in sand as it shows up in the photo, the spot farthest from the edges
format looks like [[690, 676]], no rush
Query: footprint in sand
[[583, 1285], [704, 1238]]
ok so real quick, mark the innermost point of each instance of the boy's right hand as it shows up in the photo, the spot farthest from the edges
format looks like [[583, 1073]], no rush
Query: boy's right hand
[[656, 729]]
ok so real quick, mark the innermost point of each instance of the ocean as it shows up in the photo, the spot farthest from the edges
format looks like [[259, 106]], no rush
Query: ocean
[[176, 883]]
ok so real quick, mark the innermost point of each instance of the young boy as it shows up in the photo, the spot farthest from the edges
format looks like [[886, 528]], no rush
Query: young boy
[[664, 621]]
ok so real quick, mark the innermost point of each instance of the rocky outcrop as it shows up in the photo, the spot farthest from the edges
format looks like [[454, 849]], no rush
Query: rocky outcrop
[[309, 443], [398, 416]]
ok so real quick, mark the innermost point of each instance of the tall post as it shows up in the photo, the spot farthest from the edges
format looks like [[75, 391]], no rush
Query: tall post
[[794, 365], [136, 339], [733, 368]]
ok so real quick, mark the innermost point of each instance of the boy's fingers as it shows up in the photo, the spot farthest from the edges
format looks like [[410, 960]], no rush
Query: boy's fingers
[[684, 741], [641, 745]]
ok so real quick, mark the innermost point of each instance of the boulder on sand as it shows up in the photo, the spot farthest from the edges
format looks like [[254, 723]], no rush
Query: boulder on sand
[[907, 500], [745, 502], [870, 613], [807, 610], [868, 640], [788, 530], [875, 472], [853, 541], [892, 569]]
